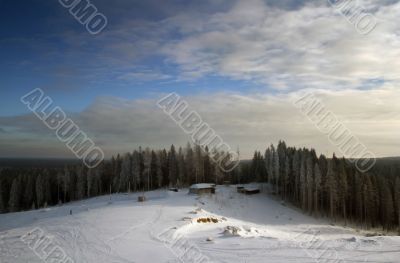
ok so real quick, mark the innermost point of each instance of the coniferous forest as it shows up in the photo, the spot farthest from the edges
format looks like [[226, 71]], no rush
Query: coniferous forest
[[321, 186]]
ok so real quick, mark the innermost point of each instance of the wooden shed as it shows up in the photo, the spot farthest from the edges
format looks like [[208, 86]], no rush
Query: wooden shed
[[251, 191], [248, 190], [199, 189]]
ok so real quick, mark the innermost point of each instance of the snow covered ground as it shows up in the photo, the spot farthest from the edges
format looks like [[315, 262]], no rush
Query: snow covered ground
[[165, 229]]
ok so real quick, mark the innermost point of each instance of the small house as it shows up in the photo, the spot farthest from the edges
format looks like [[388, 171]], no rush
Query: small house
[[199, 189], [251, 190], [248, 190]]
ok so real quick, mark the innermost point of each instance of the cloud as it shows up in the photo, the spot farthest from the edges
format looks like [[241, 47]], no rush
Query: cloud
[[311, 46], [248, 121], [285, 45]]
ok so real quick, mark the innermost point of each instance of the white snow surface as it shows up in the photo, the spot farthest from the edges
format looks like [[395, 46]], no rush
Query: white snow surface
[[165, 229]]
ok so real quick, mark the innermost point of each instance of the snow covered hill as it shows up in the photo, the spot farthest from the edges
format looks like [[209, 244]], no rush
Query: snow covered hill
[[169, 227]]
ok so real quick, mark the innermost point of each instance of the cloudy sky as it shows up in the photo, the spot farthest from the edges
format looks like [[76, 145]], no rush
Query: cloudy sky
[[239, 64]]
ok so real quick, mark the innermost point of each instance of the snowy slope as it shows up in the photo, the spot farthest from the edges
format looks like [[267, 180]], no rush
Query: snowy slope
[[165, 229]]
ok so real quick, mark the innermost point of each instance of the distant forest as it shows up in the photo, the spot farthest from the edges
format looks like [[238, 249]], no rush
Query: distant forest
[[320, 186]]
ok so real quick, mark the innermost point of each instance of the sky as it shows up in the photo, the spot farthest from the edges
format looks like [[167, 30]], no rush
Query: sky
[[239, 63]]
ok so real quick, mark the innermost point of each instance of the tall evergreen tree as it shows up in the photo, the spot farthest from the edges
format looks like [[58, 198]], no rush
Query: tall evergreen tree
[[66, 183], [39, 187], [331, 187], [190, 165], [343, 186], [173, 166], [317, 189], [28, 196], [3, 207], [81, 183], [182, 168], [310, 183], [14, 203], [387, 206], [397, 200]]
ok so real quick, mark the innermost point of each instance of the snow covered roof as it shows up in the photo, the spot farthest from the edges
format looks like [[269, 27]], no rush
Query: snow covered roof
[[250, 188], [202, 186]]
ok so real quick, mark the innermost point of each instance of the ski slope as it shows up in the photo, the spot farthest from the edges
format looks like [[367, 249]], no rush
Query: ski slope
[[254, 228]]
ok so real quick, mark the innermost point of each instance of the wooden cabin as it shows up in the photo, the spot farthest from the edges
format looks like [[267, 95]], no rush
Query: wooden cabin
[[248, 190], [199, 189]]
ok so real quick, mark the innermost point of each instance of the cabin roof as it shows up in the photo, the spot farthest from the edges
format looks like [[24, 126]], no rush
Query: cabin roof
[[202, 186], [250, 189]]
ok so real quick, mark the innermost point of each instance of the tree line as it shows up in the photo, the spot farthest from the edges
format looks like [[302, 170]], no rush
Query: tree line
[[320, 186], [332, 188], [141, 170]]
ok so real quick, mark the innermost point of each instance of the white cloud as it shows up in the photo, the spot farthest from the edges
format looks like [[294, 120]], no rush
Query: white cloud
[[286, 45], [312, 46], [248, 121]]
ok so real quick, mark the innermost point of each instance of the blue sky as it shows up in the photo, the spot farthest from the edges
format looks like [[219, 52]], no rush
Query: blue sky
[[241, 52], [43, 46]]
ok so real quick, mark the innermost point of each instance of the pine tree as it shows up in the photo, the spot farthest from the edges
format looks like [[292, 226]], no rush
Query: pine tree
[[189, 164], [89, 182], [81, 183], [147, 168], [173, 166], [267, 163], [164, 167], [317, 188], [281, 151], [126, 173], [39, 187], [47, 188], [310, 183], [331, 186], [3, 207], [303, 182], [369, 195], [397, 200], [182, 168], [136, 170], [199, 164], [159, 180], [342, 184], [14, 203], [153, 169], [296, 174], [286, 178], [115, 170], [65, 183], [28, 196], [277, 171], [387, 206]]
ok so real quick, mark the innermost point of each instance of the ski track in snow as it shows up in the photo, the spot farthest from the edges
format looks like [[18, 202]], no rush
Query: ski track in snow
[[125, 230]]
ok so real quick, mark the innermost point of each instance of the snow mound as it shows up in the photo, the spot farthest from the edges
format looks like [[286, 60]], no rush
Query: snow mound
[[232, 231]]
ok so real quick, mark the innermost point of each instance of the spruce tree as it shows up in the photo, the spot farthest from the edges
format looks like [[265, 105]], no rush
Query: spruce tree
[[14, 203], [28, 196], [331, 186], [39, 187], [3, 207], [173, 167], [397, 200], [310, 183], [342, 185], [317, 189], [303, 182]]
